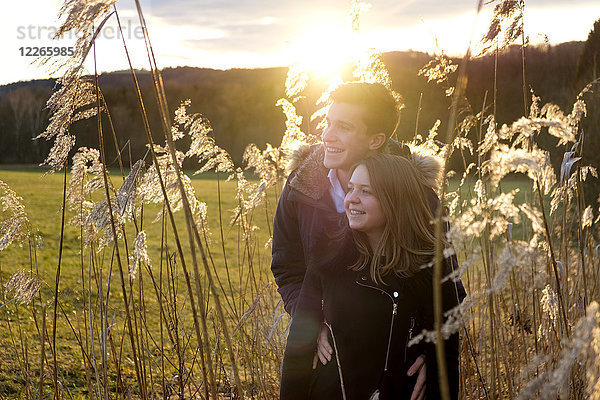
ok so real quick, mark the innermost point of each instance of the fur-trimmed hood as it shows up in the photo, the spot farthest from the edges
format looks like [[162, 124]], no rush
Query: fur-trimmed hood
[[309, 173], [310, 176], [428, 166]]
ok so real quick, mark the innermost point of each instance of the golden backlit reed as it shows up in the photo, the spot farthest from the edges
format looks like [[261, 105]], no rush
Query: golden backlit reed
[[201, 318]]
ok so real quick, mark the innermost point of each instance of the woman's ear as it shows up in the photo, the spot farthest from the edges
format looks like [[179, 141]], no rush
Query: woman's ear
[[377, 141]]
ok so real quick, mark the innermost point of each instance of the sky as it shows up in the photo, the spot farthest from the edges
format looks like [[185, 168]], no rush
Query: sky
[[227, 34]]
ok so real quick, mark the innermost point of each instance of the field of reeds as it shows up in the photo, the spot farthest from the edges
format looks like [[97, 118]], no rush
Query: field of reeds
[[147, 281]]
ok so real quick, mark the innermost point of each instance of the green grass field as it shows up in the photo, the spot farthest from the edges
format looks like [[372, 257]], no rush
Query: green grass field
[[42, 198]]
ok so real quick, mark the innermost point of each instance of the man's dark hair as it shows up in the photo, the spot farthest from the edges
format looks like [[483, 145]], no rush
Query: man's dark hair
[[381, 112]]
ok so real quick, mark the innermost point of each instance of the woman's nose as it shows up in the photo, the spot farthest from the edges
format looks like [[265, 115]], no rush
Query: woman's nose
[[351, 196]]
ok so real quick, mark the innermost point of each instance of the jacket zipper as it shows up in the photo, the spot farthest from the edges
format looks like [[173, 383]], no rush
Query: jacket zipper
[[409, 337], [394, 313], [337, 358]]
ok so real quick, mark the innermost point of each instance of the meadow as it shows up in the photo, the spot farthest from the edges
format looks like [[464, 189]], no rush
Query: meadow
[[146, 282], [20, 333]]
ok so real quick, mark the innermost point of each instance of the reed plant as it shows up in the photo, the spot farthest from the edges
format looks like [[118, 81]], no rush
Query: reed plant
[[195, 313]]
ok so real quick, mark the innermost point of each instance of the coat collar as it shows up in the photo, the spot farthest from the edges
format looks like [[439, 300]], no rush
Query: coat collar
[[310, 176]]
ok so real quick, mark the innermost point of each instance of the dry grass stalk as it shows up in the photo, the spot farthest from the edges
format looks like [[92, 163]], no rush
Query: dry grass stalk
[[532, 300]]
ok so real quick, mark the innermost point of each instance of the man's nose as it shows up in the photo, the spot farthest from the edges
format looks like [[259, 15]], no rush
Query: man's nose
[[328, 134]]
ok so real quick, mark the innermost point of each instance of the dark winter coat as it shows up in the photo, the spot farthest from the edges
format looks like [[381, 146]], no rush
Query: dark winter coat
[[363, 317], [306, 221]]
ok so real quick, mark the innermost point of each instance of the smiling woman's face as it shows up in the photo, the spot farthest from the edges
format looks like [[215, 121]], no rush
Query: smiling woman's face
[[362, 206]]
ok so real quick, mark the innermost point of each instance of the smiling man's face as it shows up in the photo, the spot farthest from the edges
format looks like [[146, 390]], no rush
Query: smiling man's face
[[345, 138]]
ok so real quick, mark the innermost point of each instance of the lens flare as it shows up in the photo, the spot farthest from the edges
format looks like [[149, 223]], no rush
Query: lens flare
[[325, 49]]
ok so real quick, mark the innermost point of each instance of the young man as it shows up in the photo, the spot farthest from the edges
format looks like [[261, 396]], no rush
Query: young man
[[310, 213]]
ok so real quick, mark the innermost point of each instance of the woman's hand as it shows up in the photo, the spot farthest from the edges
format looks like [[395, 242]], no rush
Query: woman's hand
[[324, 350], [419, 390]]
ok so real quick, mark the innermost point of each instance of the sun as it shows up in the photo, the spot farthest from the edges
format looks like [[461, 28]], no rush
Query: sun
[[324, 48]]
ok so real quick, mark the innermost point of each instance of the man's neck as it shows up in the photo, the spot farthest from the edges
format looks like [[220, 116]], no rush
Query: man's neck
[[343, 176]]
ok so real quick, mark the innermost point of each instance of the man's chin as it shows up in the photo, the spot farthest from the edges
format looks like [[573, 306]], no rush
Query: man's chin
[[330, 163]]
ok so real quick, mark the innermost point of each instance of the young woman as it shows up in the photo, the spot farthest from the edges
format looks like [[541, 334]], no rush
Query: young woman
[[374, 295]]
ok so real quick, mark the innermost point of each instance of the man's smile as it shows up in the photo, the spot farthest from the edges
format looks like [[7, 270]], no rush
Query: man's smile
[[333, 149]]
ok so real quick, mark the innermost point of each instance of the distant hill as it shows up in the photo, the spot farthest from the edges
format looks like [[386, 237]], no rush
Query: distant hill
[[240, 103]]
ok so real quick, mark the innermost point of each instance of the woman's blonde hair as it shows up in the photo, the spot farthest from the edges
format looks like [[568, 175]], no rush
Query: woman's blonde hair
[[408, 240]]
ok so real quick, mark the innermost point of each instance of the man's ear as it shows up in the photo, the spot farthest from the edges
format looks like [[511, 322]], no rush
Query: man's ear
[[377, 141]]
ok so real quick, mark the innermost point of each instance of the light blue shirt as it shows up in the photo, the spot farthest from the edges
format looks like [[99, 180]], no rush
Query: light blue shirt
[[337, 193]]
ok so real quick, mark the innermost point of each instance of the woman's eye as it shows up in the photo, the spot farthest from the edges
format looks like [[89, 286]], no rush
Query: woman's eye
[[365, 191]]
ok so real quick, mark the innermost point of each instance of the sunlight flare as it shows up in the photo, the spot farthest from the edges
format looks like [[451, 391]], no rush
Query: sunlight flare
[[325, 49]]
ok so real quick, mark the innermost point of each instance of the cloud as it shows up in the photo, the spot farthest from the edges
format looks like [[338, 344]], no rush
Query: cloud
[[264, 25], [214, 32], [254, 37], [250, 33]]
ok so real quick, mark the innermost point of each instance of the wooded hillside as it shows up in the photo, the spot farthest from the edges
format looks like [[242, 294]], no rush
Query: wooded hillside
[[240, 103]]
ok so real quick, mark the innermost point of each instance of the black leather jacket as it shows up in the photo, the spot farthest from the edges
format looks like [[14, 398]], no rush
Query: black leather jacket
[[370, 327]]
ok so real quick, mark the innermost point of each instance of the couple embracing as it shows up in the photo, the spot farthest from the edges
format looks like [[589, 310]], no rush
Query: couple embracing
[[353, 244]]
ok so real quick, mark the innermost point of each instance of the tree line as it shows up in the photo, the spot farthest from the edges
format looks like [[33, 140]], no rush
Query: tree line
[[240, 103]]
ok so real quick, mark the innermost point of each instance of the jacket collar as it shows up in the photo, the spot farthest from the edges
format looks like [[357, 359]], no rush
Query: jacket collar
[[310, 177]]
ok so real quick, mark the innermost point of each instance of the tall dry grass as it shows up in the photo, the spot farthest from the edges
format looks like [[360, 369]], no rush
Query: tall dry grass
[[201, 317]]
